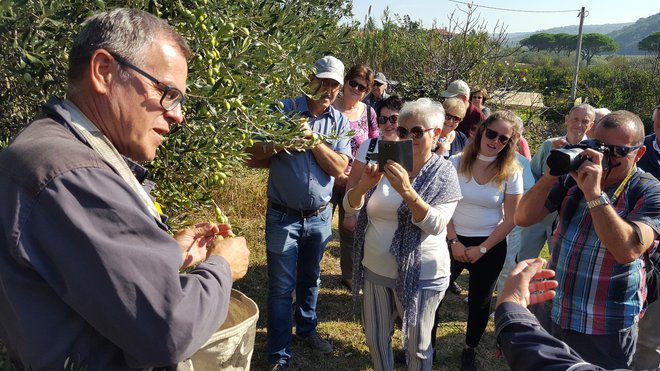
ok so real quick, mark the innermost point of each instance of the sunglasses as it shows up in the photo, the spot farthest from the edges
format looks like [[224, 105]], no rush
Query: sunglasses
[[416, 132], [492, 134], [477, 97], [378, 84], [453, 118], [355, 84], [382, 120], [622, 151]]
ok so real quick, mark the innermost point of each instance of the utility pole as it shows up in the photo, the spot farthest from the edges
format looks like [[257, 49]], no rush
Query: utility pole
[[577, 57]]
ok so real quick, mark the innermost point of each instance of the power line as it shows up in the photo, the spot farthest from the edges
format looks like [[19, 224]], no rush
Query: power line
[[514, 10]]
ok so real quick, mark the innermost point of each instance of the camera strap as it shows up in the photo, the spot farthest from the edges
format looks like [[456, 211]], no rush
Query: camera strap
[[623, 184]]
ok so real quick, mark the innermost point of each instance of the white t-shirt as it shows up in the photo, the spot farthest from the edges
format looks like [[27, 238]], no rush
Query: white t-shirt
[[382, 211], [481, 209]]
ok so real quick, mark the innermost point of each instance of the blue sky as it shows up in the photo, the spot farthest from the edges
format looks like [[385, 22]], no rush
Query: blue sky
[[598, 12]]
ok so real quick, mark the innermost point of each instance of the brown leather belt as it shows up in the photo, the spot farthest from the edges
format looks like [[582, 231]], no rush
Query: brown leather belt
[[299, 213]]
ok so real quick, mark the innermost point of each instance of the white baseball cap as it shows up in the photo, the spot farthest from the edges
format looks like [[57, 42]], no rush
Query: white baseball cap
[[330, 67], [455, 88]]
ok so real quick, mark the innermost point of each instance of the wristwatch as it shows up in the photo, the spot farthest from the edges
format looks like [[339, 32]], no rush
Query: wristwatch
[[483, 250], [452, 241], [602, 200]]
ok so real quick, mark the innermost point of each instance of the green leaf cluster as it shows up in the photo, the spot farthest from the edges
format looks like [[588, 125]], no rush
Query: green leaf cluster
[[247, 54]]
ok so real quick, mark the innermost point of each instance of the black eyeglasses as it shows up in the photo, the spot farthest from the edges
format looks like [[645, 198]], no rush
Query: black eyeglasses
[[416, 132], [622, 151], [355, 84], [378, 84], [382, 120], [492, 134], [450, 117], [172, 96]]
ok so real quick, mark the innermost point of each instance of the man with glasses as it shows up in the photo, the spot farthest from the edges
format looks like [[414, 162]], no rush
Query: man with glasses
[[377, 94], [578, 121], [608, 218], [89, 276], [298, 217]]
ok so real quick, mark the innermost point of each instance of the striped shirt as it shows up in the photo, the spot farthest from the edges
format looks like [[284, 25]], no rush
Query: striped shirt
[[596, 295]]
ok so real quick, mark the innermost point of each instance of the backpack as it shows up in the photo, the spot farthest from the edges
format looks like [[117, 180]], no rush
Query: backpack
[[652, 264]]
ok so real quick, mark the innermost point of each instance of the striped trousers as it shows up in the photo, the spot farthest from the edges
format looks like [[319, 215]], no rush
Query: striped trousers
[[380, 307]]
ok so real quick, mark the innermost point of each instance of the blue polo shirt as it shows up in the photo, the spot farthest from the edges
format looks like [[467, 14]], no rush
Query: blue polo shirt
[[296, 180]]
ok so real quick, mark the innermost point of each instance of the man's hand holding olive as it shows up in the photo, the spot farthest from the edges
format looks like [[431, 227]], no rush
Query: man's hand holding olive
[[235, 251]]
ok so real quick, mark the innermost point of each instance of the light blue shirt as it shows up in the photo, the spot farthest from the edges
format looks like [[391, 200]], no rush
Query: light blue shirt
[[296, 180], [528, 176]]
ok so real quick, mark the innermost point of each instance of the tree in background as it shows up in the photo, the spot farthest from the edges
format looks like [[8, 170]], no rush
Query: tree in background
[[539, 42], [651, 44], [595, 43], [247, 54], [425, 60]]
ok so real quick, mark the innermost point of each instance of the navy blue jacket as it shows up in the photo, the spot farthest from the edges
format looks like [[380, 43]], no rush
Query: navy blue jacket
[[527, 346]]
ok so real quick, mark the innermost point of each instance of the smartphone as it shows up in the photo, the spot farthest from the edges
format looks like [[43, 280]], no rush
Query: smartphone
[[400, 151]]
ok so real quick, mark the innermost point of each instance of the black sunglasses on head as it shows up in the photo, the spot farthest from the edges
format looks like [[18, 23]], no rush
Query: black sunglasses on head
[[416, 132], [355, 84], [492, 134], [382, 120]]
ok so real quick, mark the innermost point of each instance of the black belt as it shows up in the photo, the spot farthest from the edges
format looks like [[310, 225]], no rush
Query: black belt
[[294, 212]]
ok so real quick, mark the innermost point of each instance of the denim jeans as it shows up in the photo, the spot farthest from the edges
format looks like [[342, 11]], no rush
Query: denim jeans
[[294, 247]]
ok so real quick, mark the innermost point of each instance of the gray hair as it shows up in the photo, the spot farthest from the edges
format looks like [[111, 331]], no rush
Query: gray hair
[[431, 113], [601, 112], [584, 106], [127, 32]]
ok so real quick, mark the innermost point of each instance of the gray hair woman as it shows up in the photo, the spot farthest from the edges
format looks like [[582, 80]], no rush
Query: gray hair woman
[[401, 255]]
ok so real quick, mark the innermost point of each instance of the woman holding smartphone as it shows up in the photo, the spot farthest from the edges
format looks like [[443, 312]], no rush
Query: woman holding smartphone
[[491, 184], [401, 256]]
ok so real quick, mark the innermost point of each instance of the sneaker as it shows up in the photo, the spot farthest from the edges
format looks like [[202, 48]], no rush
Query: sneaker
[[455, 288], [278, 367], [316, 342], [468, 360]]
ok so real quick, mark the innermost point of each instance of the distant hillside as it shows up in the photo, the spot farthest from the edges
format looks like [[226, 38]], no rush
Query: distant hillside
[[629, 36], [515, 37], [589, 28]]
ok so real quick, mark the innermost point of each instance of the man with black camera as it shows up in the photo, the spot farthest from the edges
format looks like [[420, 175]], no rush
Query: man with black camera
[[578, 121], [607, 219]]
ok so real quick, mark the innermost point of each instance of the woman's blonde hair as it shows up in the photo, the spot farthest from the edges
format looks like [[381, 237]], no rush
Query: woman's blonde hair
[[455, 103], [505, 163]]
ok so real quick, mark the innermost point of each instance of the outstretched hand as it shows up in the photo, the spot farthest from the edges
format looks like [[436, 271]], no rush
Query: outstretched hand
[[528, 284]]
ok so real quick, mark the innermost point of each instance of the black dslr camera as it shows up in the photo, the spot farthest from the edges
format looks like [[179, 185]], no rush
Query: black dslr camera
[[564, 160]]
